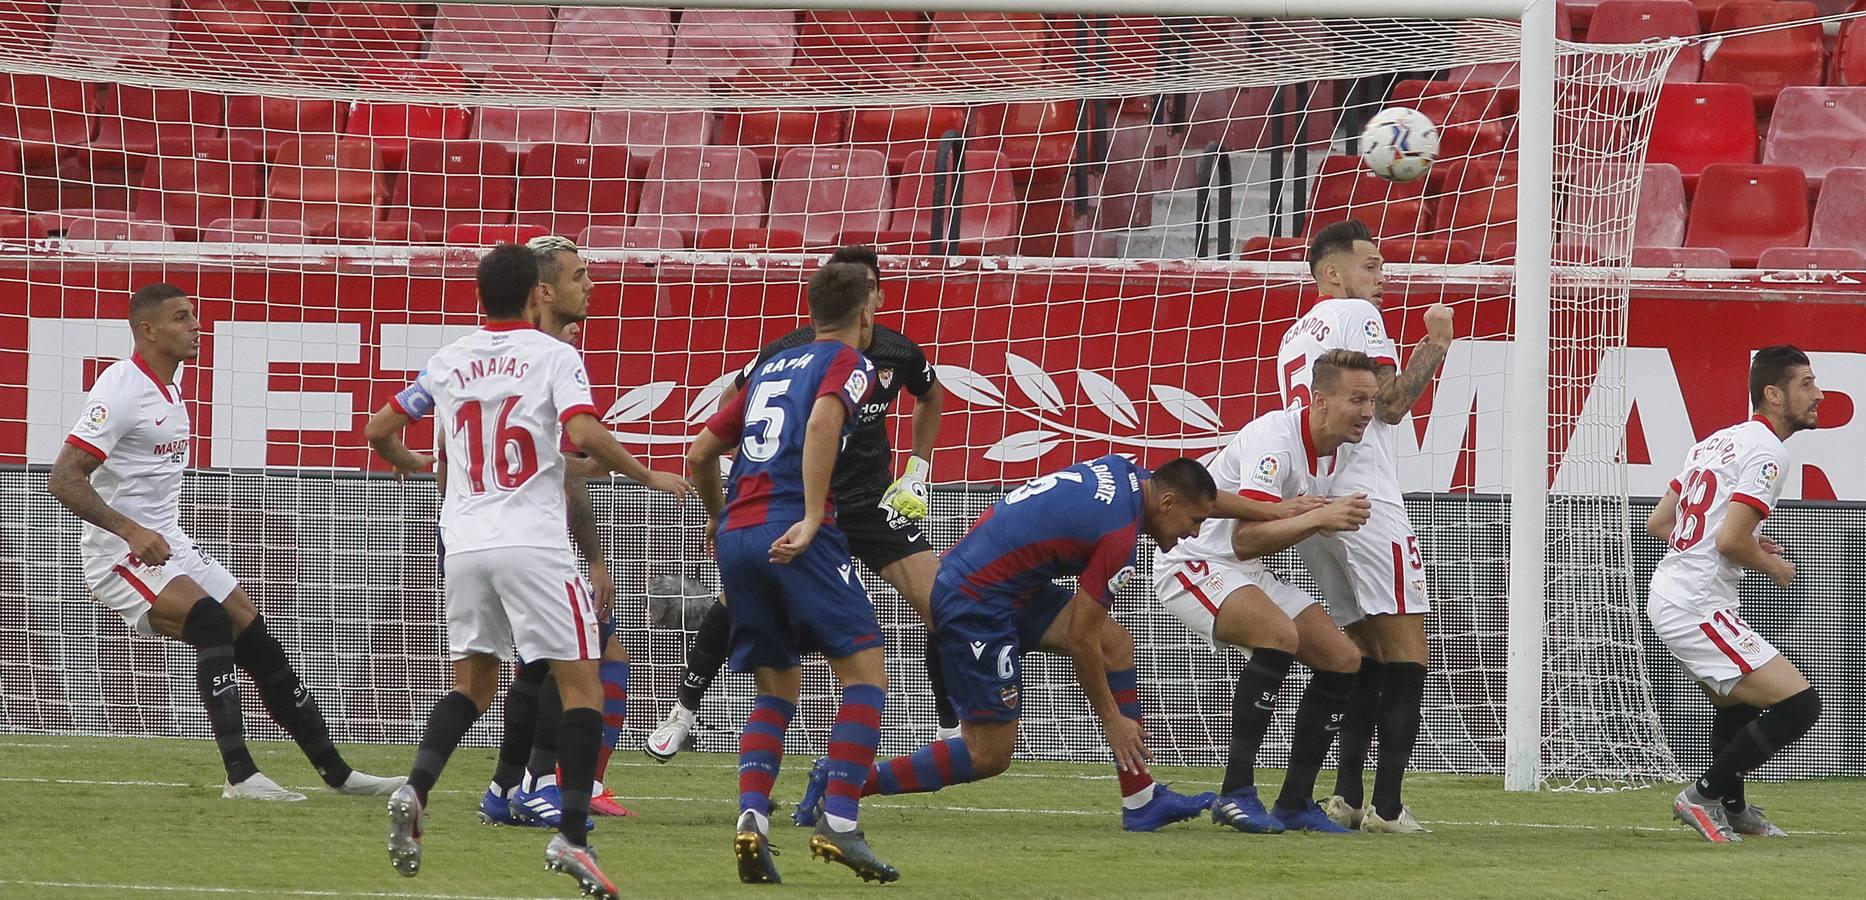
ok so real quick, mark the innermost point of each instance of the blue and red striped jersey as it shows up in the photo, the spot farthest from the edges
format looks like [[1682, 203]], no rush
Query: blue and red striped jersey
[[768, 420], [1081, 521]]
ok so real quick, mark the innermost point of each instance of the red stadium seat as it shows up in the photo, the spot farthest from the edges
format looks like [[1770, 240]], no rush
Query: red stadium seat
[[755, 240], [393, 125], [990, 209], [1143, 159], [278, 231], [1767, 61], [900, 132], [1347, 189], [619, 237], [1660, 219], [26, 23], [566, 188], [1038, 139], [488, 37], [608, 39], [1827, 259], [1680, 258], [321, 179], [363, 33], [453, 183], [369, 231], [232, 33], [268, 122], [1848, 65], [1746, 209], [12, 186], [100, 32], [692, 189], [1602, 191], [1632, 21], [646, 132], [966, 44], [487, 235], [1696, 125], [850, 45], [1259, 248], [821, 192], [1108, 46], [722, 43], [45, 115], [1478, 207], [133, 123], [193, 183], [1840, 213], [1241, 119], [521, 128], [109, 225], [885, 242], [24, 228], [770, 133], [1404, 250], [1817, 129]]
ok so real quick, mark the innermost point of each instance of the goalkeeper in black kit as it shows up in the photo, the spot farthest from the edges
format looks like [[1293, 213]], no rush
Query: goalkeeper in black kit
[[880, 514]]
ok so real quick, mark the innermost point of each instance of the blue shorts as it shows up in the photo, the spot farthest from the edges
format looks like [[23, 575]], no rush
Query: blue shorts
[[981, 644], [813, 604]]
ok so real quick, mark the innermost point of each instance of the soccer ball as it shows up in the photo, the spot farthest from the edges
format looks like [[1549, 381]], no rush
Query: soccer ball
[[1399, 144]]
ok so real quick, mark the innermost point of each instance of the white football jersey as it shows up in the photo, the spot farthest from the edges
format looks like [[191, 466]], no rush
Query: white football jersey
[[1741, 464], [1344, 324], [1271, 459], [500, 396], [138, 426]]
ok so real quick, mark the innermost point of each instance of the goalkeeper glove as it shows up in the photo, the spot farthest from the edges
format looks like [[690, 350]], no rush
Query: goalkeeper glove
[[907, 496]]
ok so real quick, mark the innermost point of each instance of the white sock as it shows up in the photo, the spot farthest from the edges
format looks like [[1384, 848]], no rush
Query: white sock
[[496, 790], [1138, 798], [759, 819], [839, 824]]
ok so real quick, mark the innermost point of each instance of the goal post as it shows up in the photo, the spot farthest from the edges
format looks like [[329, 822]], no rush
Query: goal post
[[1092, 218]]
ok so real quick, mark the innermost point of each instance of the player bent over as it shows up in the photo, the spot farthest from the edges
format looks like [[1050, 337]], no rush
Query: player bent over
[[121, 471], [995, 598], [511, 579], [787, 567], [1711, 521], [1218, 586]]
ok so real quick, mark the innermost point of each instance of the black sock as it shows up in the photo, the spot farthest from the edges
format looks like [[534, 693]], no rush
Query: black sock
[[578, 737], [288, 701], [543, 760], [210, 632], [1357, 731], [1400, 701], [936, 676], [447, 724], [1318, 718], [1759, 741], [1725, 724], [521, 722], [1252, 705], [706, 655]]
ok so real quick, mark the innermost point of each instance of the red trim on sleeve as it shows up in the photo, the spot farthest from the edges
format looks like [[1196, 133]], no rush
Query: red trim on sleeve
[[1264, 496], [396, 404], [837, 374], [1747, 500], [1386, 361], [1677, 488], [728, 424], [86, 446], [1109, 556], [575, 411]]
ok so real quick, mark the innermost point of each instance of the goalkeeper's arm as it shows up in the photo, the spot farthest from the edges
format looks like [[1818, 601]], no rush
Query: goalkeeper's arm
[[907, 496]]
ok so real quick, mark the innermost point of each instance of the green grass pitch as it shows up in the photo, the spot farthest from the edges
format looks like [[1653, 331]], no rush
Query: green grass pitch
[[143, 818]]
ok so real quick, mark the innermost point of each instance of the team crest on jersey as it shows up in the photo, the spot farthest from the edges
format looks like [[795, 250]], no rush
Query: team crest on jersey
[[1748, 643], [1770, 471], [1120, 579], [885, 378], [1008, 694], [95, 416], [1266, 470]]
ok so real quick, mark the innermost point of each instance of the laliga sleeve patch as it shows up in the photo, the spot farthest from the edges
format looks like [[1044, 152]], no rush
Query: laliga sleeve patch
[[1265, 472], [95, 415], [1119, 580], [1375, 335], [1770, 472], [856, 387]]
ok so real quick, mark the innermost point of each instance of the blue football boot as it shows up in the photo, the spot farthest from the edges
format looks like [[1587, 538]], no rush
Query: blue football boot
[[1243, 811], [809, 808], [1309, 818], [1165, 808]]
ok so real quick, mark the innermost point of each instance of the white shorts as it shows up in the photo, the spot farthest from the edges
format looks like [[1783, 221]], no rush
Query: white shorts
[[1717, 649], [1194, 591], [1375, 571], [131, 588], [526, 597]]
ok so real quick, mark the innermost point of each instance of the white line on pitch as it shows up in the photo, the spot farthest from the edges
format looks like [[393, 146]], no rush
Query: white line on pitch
[[95, 783], [266, 892]]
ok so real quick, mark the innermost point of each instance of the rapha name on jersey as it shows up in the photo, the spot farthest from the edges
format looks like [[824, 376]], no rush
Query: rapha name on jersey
[[784, 365]]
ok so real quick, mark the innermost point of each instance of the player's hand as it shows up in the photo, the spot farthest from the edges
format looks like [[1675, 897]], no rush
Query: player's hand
[[710, 541], [1296, 506], [907, 496], [1345, 513], [1769, 545], [146, 546], [669, 483], [416, 462], [792, 543], [1783, 572], [1438, 324], [1129, 743], [604, 587]]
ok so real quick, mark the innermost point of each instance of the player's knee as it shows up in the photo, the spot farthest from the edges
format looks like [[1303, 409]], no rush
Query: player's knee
[[989, 759], [257, 651], [1798, 713], [207, 625], [1339, 656], [1279, 636]]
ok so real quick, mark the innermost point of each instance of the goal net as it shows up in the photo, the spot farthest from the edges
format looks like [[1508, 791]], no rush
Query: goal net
[[1095, 227]]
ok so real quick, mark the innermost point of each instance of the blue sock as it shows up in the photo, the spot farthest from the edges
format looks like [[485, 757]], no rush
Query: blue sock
[[852, 742]]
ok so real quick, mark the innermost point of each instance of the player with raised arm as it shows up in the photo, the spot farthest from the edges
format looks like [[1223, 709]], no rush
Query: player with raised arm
[[1373, 578], [880, 518], [996, 598], [787, 567], [504, 395], [1711, 523], [121, 471], [1218, 586], [524, 783]]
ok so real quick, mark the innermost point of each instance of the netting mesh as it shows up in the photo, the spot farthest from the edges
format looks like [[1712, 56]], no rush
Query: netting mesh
[[1093, 226]]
